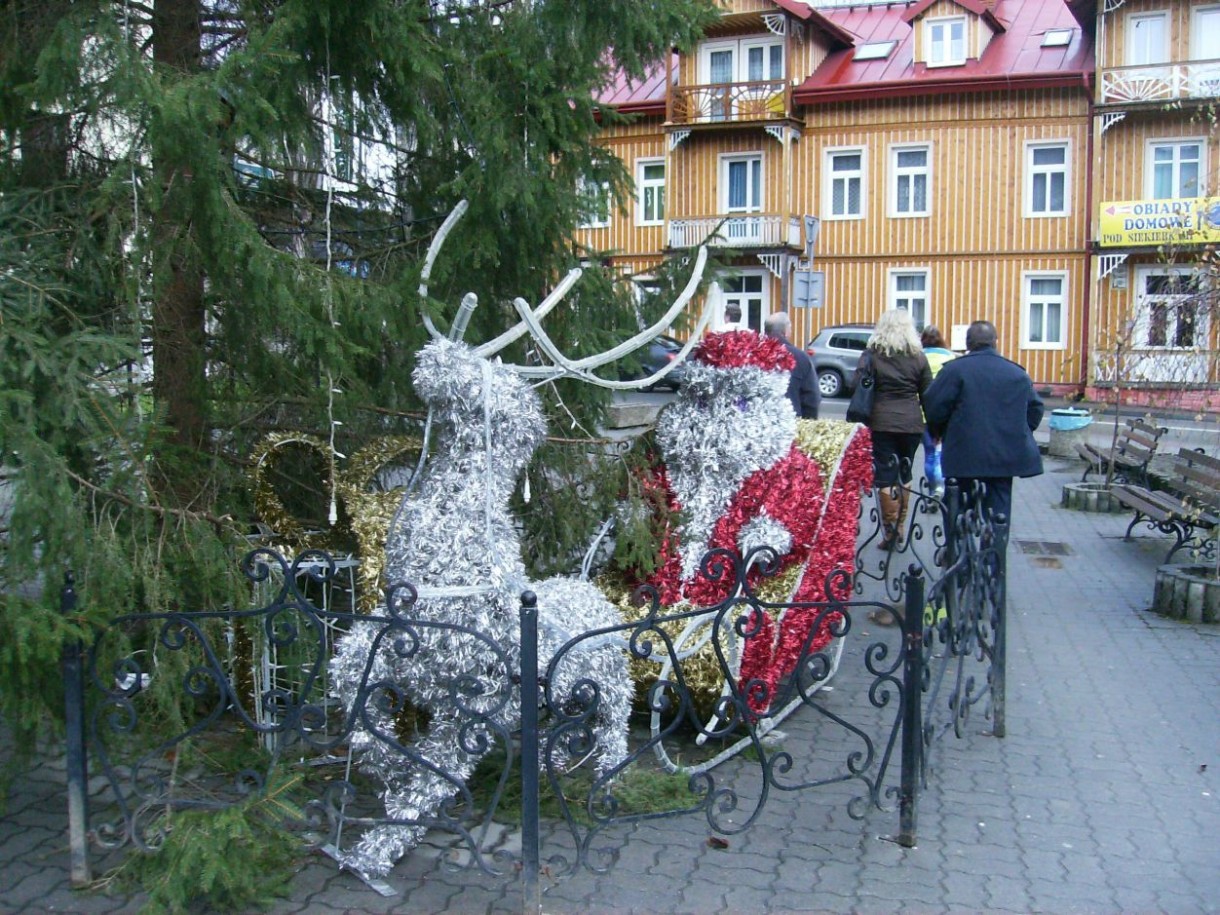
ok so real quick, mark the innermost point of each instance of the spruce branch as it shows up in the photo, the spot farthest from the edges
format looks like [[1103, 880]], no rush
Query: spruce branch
[[161, 511]]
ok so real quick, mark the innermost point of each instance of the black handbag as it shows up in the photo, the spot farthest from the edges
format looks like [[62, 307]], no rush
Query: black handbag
[[861, 406]]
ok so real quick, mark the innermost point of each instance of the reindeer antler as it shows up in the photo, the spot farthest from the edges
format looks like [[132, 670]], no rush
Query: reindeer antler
[[582, 368], [433, 250], [531, 322]]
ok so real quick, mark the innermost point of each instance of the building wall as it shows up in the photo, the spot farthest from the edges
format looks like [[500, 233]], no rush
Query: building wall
[[976, 244]]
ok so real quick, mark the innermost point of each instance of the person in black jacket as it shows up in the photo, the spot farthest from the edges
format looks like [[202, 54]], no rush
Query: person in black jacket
[[901, 374], [986, 410], [802, 388]]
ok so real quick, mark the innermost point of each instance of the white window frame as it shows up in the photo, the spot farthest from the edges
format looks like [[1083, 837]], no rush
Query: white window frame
[[829, 178], [904, 298], [1028, 301], [598, 192], [898, 172], [742, 229], [1142, 328], [1197, 32], [643, 285], [1130, 57], [945, 41], [642, 186], [1150, 166], [1032, 171], [741, 58], [754, 206], [761, 298]]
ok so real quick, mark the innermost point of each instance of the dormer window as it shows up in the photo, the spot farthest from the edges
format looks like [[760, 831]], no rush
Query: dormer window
[[946, 41]]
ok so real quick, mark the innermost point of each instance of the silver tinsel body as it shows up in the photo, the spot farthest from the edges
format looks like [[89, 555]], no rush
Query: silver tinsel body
[[724, 425], [456, 542]]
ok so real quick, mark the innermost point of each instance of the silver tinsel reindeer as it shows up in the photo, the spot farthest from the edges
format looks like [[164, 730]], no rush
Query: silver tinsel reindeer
[[457, 545]]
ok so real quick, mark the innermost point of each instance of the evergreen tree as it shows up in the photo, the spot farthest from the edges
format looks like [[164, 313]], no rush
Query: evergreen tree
[[178, 277]]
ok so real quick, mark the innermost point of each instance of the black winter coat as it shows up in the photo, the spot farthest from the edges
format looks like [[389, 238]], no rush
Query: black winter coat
[[985, 408], [901, 381]]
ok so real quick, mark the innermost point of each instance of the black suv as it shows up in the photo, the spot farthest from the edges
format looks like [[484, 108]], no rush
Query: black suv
[[835, 351]]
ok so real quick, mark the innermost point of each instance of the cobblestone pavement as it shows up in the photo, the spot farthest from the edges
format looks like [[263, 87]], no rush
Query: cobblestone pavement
[[1103, 797]]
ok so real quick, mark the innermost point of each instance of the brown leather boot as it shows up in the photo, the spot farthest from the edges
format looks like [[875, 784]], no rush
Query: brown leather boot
[[900, 527], [891, 506]]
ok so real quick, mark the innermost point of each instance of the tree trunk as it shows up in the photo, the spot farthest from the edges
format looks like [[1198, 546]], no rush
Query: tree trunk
[[178, 311]]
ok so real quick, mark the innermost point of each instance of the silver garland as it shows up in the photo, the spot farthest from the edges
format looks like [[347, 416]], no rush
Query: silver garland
[[459, 546], [725, 424]]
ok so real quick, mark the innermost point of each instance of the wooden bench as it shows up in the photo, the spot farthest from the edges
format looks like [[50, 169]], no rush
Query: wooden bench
[[1190, 510], [1133, 450]]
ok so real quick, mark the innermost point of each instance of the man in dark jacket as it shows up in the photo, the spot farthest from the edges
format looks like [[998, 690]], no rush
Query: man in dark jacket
[[985, 408], [802, 387]]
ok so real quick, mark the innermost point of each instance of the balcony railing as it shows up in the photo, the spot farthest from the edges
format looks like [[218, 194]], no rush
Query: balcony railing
[[730, 102], [748, 230], [1161, 82]]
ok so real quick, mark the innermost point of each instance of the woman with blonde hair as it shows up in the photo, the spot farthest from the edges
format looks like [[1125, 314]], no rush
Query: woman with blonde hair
[[901, 375]]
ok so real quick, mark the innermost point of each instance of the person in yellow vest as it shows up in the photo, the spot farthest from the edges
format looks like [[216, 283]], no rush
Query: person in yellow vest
[[938, 354]]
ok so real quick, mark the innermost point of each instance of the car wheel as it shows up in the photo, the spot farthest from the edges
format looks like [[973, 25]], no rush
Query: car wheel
[[830, 383]]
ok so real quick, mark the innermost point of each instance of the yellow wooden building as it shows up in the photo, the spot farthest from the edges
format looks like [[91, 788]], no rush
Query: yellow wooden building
[[1156, 200], [944, 156]]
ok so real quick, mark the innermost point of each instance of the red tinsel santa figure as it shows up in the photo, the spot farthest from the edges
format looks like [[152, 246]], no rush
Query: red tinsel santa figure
[[736, 478]]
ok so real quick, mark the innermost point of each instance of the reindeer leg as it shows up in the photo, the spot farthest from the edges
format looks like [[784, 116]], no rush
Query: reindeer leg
[[415, 798]]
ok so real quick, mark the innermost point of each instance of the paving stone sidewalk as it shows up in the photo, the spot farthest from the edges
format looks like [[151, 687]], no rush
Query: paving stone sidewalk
[[1103, 797]]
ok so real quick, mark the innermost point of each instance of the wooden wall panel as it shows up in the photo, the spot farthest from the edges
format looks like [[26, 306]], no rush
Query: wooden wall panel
[[1121, 153], [960, 290], [977, 183]]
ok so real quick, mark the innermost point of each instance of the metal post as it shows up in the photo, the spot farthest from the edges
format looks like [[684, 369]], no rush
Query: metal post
[[953, 508], [74, 739], [999, 662], [531, 903], [912, 708]]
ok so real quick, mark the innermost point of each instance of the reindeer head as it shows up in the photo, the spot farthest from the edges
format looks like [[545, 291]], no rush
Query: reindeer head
[[482, 403]]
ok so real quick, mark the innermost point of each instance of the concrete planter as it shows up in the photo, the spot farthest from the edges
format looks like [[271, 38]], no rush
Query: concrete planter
[[1187, 592], [1090, 497]]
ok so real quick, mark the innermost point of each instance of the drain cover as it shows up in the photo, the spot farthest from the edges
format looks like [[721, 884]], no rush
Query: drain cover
[[1044, 547]]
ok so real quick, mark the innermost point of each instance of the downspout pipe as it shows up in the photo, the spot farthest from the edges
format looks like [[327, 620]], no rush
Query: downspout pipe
[[1087, 308]]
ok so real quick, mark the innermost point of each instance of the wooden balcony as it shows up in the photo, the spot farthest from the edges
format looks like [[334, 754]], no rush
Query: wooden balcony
[[745, 230], [1196, 79], [729, 103]]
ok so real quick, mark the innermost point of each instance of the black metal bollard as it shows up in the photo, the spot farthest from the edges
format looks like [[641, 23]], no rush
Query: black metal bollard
[[74, 739], [912, 708], [531, 902], [999, 665], [953, 508]]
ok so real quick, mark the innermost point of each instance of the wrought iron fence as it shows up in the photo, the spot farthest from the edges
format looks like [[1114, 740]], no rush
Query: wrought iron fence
[[169, 711]]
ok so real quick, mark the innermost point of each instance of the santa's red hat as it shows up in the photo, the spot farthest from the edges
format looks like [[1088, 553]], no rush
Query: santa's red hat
[[737, 349]]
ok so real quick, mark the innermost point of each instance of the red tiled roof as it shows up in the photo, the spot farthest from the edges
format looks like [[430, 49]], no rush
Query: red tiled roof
[[647, 94], [1014, 57]]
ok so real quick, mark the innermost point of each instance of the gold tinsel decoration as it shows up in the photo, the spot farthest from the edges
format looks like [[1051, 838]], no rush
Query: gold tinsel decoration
[[369, 511], [372, 511]]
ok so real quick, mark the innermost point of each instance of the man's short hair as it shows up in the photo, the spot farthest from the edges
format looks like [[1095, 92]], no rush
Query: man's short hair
[[777, 325], [980, 334], [732, 311]]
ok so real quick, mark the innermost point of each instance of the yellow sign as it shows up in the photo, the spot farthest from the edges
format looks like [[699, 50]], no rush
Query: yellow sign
[[1130, 223]]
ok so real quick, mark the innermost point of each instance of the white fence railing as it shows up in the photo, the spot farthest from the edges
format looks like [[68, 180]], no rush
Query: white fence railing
[[1161, 82], [747, 230]]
